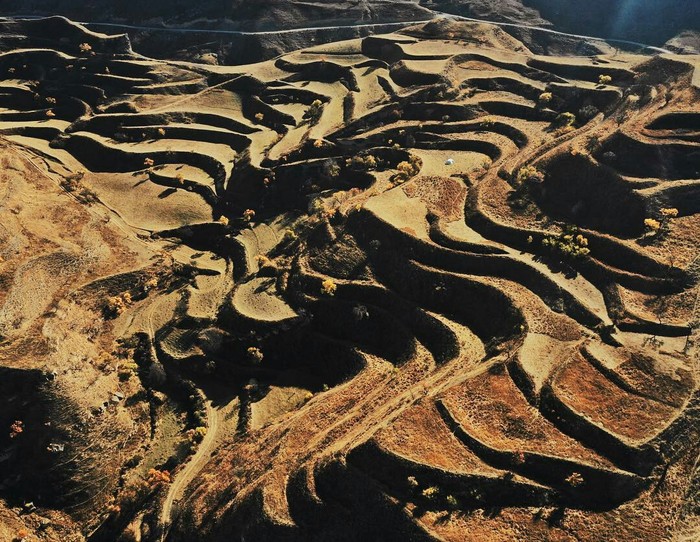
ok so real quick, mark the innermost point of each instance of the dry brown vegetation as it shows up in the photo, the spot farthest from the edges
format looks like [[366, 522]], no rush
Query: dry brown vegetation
[[417, 286]]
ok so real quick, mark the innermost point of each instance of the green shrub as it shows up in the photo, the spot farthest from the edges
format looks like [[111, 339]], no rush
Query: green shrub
[[566, 119], [255, 355], [431, 492], [314, 112], [362, 163], [569, 244], [528, 173]]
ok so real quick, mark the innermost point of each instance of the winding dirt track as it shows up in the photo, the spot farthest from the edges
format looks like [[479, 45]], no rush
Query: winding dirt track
[[384, 407], [438, 14], [191, 469]]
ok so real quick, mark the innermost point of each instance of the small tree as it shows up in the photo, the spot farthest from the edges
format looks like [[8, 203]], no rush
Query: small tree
[[328, 287], [16, 428], [117, 304], [360, 313], [315, 110], [569, 244], [451, 502], [255, 355], [362, 163], [652, 225], [431, 493], [668, 213], [575, 479], [157, 478], [197, 434], [566, 119], [407, 169], [528, 174]]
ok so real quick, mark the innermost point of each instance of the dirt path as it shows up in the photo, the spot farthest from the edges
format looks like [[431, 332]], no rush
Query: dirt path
[[192, 468], [231, 32], [438, 14]]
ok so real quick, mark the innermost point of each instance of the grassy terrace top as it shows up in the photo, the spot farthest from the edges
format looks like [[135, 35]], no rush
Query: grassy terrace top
[[427, 285]]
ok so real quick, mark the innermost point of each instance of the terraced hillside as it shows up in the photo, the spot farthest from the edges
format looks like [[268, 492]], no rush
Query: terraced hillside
[[418, 286], [244, 14]]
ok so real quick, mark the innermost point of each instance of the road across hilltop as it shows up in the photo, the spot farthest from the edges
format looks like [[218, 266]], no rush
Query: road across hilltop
[[378, 26]]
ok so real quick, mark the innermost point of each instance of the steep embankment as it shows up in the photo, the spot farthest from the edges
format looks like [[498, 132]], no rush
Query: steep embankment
[[653, 22], [433, 272]]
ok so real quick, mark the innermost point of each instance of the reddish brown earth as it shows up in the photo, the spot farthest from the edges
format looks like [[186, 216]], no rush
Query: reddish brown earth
[[426, 285]]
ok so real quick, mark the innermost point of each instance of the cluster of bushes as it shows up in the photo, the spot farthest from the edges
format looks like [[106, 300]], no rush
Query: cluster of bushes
[[116, 305], [254, 355], [314, 112], [565, 122], [197, 434], [407, 169], [196, 409], [73, 184], [127, 370], [434, 495], [526, 182], [328, 287], [365, 162], [133, 496], [587, 112], [157, 478], [657, 228], [135, 359], [569, 244], [527, 174], [16, 428]]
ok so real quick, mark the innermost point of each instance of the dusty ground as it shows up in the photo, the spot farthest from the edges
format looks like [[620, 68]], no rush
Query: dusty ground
[[420, 286]]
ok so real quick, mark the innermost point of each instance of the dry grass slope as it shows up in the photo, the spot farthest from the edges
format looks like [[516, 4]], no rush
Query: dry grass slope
[[419, 286]]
